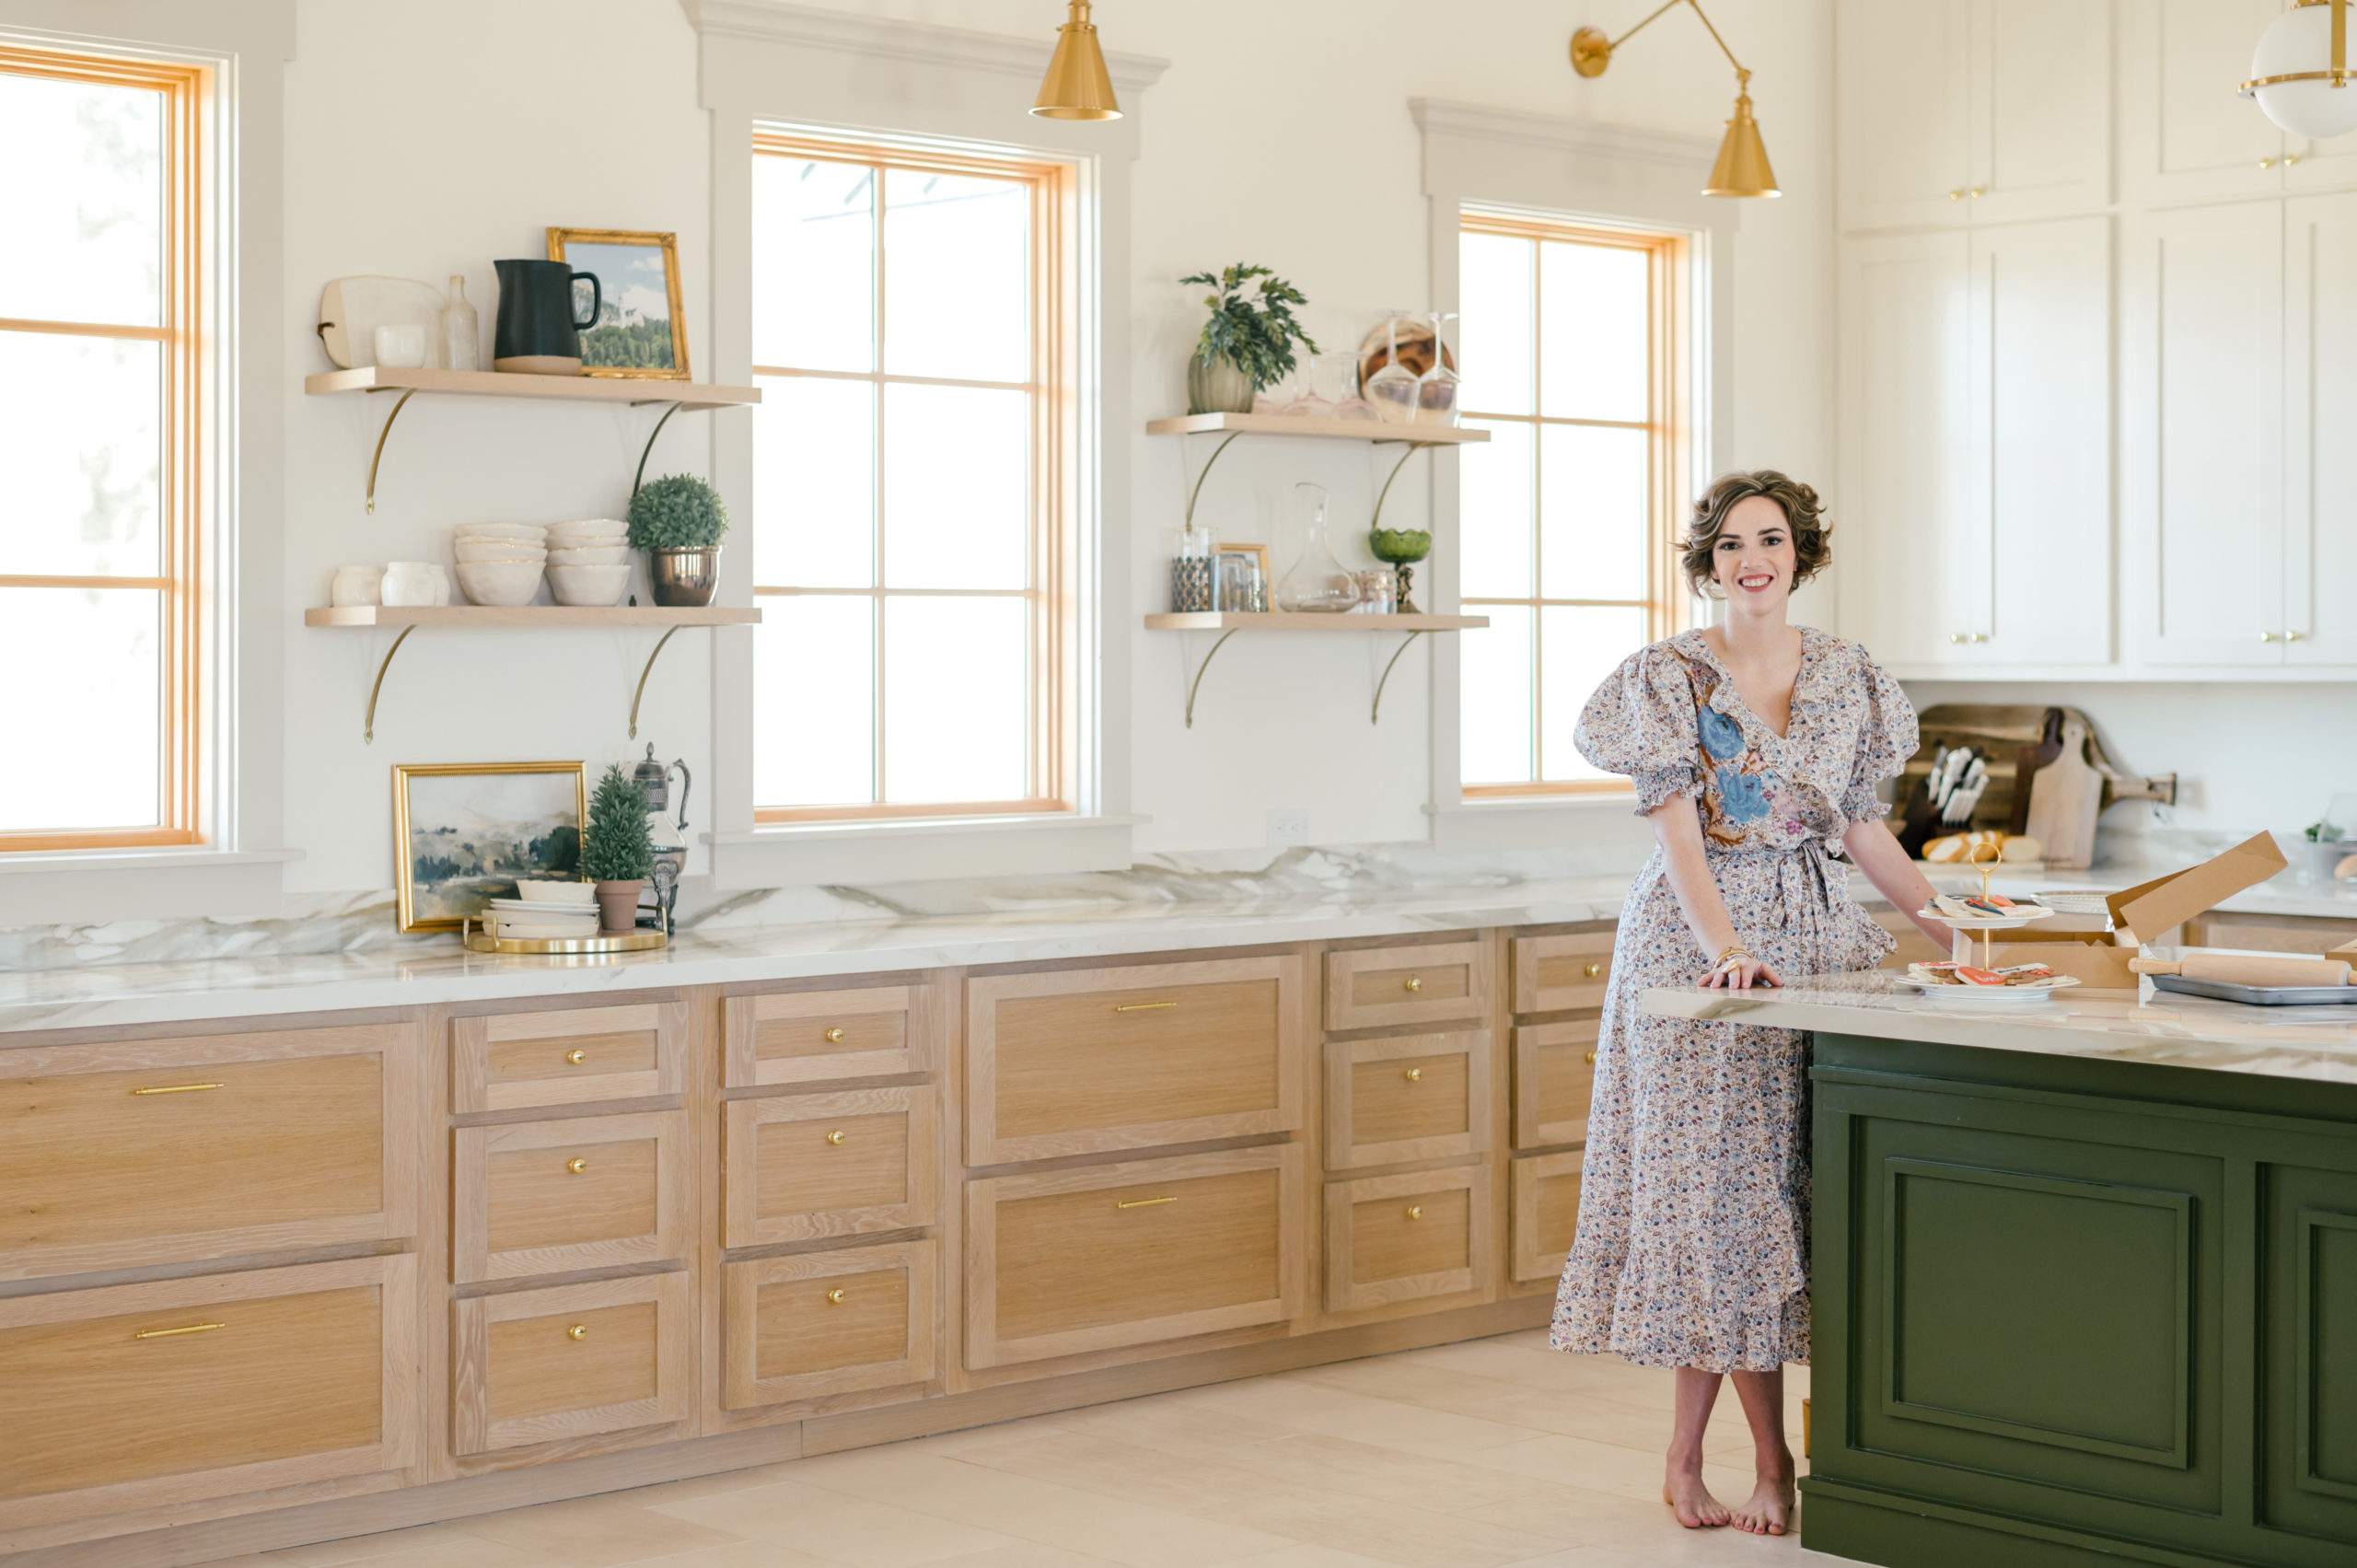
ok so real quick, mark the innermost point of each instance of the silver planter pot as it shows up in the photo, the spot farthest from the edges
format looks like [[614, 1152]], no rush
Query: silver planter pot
[[684, 578], [1217, 387]]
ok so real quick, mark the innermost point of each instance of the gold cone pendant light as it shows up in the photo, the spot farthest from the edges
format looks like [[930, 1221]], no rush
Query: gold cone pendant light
[[1742, 167], [1078, 86]]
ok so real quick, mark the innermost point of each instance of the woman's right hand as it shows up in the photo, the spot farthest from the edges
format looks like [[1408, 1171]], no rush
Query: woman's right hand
[[1740, 972]]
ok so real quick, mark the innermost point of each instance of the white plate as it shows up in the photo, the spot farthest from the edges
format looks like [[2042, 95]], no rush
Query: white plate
[[1987, 921], [2073, 900], [1987, 998]]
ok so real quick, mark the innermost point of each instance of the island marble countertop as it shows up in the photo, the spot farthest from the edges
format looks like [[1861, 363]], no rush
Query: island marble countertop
[[2162, 1028]]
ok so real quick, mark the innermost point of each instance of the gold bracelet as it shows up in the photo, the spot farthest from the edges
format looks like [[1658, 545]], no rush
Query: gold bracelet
[[1725, 960]]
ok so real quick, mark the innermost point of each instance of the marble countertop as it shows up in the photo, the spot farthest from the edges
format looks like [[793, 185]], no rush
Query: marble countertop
[[2158, 1028]]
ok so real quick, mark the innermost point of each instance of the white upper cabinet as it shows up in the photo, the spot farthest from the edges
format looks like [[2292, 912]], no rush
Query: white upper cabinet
[[2320, 412], [2185, 136], [1992, 111], [2202, 434]]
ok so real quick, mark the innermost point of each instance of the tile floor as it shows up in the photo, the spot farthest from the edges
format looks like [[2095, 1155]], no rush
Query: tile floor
[[1488, 1454]]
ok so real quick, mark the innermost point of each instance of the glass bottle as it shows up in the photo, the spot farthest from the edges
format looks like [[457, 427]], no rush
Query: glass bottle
[[1392, 391], [462, 333], [1438, 389], [1191, 571], [1316, 581]]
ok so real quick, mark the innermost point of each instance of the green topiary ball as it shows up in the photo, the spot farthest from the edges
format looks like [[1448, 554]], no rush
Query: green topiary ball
[[677, 512]]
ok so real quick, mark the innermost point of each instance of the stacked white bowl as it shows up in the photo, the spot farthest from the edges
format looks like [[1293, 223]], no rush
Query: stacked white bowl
[[499, 564], [544, 907], [588, 561]]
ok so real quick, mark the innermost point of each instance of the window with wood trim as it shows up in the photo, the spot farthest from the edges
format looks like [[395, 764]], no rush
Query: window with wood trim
[[100, 298], [1576, 363], [912, 483]]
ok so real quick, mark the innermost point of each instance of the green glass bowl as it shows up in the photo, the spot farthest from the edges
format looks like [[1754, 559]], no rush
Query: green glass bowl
[[1400, 547]]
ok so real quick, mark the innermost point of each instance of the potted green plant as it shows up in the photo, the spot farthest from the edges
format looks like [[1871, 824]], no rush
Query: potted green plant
[[1247, 343], [678, 520], [617, 853]]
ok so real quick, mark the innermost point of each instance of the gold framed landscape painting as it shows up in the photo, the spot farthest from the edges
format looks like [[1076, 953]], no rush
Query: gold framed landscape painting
[[640, 329], [464, 831]]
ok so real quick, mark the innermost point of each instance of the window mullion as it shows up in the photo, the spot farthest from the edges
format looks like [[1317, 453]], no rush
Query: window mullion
[[876, 564]]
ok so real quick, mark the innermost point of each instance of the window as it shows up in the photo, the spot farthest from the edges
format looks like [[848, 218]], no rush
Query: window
[[99, 423], [909, 483], [1574, 357]]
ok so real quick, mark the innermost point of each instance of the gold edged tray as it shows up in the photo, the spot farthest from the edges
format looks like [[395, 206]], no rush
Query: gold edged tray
[[604, 942]]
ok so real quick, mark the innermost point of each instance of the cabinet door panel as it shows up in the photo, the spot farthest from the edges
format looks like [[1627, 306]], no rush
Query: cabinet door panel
[[1903, 111], [2202, 434], [2185, 135], [2042, 109], [1543, 1209], [1393, 1239], [2320, 460], [536, 1365], [2309, 1479]]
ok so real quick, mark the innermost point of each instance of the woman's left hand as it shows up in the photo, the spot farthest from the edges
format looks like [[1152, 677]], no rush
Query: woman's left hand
[[1741, 972]]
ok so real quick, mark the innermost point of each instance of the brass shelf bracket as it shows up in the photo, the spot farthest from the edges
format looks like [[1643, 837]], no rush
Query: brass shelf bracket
[[1205, 473], [1414, 448], [378, 456], [640, 695], [647, 451], [368, 727], [1375, 709], [1197, 684]]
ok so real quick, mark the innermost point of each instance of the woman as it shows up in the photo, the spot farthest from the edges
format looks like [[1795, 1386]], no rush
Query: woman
[[1755, 746]]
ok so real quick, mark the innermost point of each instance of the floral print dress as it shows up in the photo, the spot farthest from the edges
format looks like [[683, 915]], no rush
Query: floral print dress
[[1693, 1232]]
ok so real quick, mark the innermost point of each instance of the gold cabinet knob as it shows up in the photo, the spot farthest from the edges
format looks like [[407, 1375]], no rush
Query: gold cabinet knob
[[1957, 194], [1414, 982], [1955, 637], [2291, 158], [1414, 1075], [1591, 1058], [1595, 970], [1978, 191], [834, 1299], [576, 1166], [1415, 1210], [578, 1332], [834, 1036], [576, 1057], [836, 1136], [2266, 636], [2267, 163], [2290, 636]]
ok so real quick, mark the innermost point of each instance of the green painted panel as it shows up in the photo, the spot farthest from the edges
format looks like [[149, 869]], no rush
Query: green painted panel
[[1980, 1263], [2329, 1342], [2309, 1352]]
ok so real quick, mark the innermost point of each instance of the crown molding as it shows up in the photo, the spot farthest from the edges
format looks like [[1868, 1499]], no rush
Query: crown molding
[[1594, 138], [812, 27]]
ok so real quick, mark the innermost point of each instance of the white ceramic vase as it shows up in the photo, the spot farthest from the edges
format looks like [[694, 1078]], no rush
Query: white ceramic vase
[[413, 584], [356, 586]]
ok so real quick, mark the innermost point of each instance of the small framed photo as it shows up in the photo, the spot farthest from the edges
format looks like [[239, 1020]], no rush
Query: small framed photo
[[1240, 577], [641, 331], [464, 831]]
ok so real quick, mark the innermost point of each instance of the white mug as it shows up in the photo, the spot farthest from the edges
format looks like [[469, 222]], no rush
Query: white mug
[[356, 584], [400, 348], [409, 583]]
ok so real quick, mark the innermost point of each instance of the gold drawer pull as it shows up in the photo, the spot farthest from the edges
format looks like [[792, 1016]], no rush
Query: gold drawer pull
[[167, 1333], [835, 1298], [176, 1089], [1591, 1058], [1595, 970], [1413, 983], [576, 1057], [576, 1166], [1414, 1075], [1142, 1202], [1415, 1210], [834, 1036], [578, 1332], [836, 1136], [1141, 1007]]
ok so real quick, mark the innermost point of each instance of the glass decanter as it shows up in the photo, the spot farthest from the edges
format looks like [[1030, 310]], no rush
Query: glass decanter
[[1316, 581], [1436, 390], [1393, 389]]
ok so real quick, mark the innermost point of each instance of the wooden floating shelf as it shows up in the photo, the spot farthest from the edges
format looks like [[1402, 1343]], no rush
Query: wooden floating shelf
[[691, 396], [529, 615], [1290, 424], [1283, 620]]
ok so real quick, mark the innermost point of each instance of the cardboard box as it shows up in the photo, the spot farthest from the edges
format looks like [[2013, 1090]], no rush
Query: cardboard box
[[2140, 914]]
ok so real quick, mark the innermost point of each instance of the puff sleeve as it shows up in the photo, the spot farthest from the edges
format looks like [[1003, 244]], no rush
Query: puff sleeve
[[1642, 722], [1885, 740]]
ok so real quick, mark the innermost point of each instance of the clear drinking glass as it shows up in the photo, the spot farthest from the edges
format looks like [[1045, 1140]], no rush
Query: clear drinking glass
[[1438, 389], [1393, 389]]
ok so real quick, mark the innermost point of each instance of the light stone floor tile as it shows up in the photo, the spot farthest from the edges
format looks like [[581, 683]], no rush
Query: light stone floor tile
[[856, 1531], [427, 1546], [1605, 1467], [1163, 1423], [1097, 1462], [1385, 1422], [1311, 1557], [764, 1554], [594, 1532], [1030, 1554], [1315, 1462], [1391, 1532], [700, 1486]]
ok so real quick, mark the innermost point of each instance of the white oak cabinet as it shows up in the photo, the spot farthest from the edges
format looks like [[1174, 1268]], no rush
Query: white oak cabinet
[[1976, 434], [1993, 111]]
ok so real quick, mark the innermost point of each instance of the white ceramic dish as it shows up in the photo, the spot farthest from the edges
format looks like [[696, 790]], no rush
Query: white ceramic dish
[[587, 556], [1991, 998], [531, 531], [596, 587], [505, 925], [589, 526], [499, 582], [357, 585], [497, 549], [530, 890], [2028, 913]]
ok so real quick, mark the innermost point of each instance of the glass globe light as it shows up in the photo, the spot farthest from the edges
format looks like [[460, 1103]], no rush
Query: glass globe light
[[2299, 44]]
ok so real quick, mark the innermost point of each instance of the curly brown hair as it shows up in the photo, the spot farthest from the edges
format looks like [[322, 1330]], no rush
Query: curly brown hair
[[1803, 514]]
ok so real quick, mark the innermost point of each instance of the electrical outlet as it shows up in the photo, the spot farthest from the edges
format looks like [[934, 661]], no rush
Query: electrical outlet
[[1289, 825]]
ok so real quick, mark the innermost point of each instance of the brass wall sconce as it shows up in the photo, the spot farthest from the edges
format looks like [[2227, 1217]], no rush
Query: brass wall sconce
[[1077, 86], [1742, 167]]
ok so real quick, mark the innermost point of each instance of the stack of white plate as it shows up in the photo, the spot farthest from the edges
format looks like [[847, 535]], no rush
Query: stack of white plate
[[588, 561], [516, 918], [499, 564]]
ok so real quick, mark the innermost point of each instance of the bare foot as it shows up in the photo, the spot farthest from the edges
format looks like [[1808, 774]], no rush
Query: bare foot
[[1692, 1501], [1769, 1510]]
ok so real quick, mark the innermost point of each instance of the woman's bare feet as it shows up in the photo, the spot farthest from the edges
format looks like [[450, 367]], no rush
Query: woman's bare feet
[[1692, 1501], [1769, 1510]]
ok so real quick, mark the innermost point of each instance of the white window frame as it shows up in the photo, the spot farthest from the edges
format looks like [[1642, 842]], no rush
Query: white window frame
[[783, 68], [1574, 172]]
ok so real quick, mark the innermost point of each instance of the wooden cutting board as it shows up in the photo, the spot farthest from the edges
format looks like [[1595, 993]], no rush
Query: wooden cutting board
[[2065, 797]]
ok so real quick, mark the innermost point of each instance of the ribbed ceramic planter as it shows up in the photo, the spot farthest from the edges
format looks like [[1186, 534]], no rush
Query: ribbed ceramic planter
[[1217, 387]]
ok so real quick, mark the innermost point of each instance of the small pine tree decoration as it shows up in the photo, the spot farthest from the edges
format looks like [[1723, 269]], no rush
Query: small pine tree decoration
[[617, 847]]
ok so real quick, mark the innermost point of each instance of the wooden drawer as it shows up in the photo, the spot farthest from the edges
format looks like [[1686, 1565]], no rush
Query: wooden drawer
[[1081, 1061], [583, 1192], [165, 1150], [1407, 1097], [803, 1036], [1554, 974], [1071, 1261], [846, 1164], [135, 1395], [1402, 1238], [535, 1365], [826, 1323], [566, 1056], [1554, 1075], [1543, 1213], [1369, 988]]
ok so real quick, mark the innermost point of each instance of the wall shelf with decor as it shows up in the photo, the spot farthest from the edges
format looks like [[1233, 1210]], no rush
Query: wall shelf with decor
[[694, 397], [409, 618], [1228, 622], [1373, 431]]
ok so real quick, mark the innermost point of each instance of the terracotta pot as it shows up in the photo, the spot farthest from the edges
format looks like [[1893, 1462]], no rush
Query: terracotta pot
[[617, 904], [1217, 387]]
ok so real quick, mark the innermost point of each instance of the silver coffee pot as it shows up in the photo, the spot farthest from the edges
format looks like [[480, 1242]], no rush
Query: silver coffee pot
[[653, 781]]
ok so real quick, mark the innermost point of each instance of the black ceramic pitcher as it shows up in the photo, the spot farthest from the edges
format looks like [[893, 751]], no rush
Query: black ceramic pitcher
[[536, 330]]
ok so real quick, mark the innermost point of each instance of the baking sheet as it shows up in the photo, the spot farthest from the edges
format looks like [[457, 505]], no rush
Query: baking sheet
[[2260, 995]]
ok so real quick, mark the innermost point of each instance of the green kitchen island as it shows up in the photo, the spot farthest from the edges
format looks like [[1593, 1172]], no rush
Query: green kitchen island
[[2085, 1277]]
